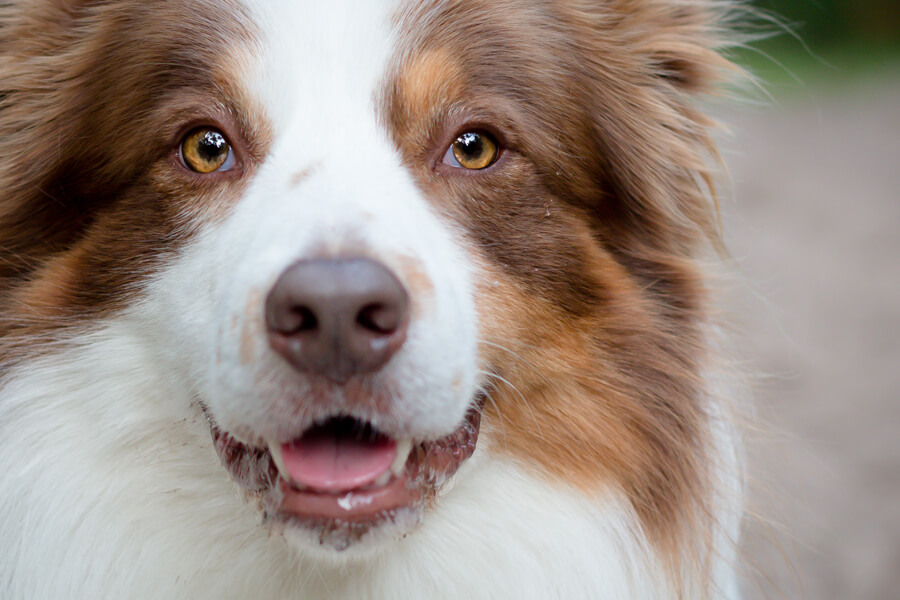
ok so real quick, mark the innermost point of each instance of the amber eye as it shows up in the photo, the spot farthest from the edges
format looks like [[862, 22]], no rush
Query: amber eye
[[205, 150], [472, 150]]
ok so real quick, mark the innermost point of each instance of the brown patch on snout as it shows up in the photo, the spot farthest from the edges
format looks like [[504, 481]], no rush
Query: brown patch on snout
[[419, 285], [303, 174], [253, 333]]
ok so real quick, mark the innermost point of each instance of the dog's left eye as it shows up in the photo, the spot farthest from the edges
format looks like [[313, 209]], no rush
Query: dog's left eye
[[205, 150], [472, 150]]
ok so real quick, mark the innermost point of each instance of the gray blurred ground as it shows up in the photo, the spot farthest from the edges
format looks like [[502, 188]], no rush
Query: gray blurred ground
[[815, 228]]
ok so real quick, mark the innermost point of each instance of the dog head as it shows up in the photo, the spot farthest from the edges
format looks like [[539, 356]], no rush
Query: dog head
[[354, 235]]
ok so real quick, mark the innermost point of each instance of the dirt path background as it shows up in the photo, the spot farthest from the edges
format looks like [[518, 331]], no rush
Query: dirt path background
[[815, 227]]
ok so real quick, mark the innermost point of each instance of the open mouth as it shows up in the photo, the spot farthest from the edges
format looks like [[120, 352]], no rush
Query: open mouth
[[344, 471]]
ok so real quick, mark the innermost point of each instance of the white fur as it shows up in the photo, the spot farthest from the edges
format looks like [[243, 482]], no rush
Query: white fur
[[112, 490]]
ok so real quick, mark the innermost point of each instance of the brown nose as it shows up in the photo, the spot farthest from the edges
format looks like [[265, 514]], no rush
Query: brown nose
[[337, 317]]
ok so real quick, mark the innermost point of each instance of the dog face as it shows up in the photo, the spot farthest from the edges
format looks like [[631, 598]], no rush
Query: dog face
[[358, 238]]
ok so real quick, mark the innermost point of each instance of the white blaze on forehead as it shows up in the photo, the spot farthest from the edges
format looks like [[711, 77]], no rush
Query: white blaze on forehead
[[332, 170], [331, 183], [320, 65]]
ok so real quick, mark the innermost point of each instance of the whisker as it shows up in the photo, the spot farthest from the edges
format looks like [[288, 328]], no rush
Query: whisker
[[519, 357], [521, 396]]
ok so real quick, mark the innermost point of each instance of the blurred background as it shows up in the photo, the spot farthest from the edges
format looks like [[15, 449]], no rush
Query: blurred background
[[813, 222]]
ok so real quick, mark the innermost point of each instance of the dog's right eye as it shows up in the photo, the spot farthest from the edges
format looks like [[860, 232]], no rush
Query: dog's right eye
[[205, 150], [472, 150]]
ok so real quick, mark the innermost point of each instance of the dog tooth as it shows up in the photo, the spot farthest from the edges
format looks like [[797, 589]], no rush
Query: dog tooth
[[404, 447], [383, 479], [275, 451]]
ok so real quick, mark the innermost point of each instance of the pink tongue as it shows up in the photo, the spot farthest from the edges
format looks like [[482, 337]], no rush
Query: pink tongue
[[330, 462]]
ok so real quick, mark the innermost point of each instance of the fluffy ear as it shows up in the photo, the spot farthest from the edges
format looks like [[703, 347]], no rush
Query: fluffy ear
[[680, 40], [647, 61]]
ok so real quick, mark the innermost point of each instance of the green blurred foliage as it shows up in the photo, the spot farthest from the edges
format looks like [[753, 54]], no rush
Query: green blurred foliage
[[824, 40], [830, 22]]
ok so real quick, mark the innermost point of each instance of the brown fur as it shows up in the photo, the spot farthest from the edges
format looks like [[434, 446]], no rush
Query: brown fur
[[93, 200]]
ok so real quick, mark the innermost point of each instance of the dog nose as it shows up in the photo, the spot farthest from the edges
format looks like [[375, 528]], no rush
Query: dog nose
[[337, 317]]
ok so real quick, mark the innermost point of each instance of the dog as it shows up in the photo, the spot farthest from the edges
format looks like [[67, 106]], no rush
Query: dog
[[362, 300]]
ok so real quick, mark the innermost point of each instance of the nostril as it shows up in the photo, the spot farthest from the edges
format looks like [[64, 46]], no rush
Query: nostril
[[304, 320], [378, 318]]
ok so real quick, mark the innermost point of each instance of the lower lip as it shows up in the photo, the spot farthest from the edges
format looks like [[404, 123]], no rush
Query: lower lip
[[357, 506]]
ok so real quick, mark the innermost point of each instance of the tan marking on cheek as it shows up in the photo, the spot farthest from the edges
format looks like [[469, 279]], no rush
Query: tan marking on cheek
[[48, 293], [253, 334], [595, 401]]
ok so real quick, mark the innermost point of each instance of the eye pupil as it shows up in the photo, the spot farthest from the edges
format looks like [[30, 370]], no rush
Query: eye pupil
[[211, 145], [471, 144]]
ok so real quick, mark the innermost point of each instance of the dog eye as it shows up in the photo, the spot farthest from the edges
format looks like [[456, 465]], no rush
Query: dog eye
[[472, 150], [205, 150]]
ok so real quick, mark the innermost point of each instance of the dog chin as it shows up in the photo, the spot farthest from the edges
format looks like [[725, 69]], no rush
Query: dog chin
[[339, 542]]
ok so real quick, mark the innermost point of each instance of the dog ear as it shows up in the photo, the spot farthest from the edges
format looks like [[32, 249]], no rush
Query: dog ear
[[646, 63], [680, 41]]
